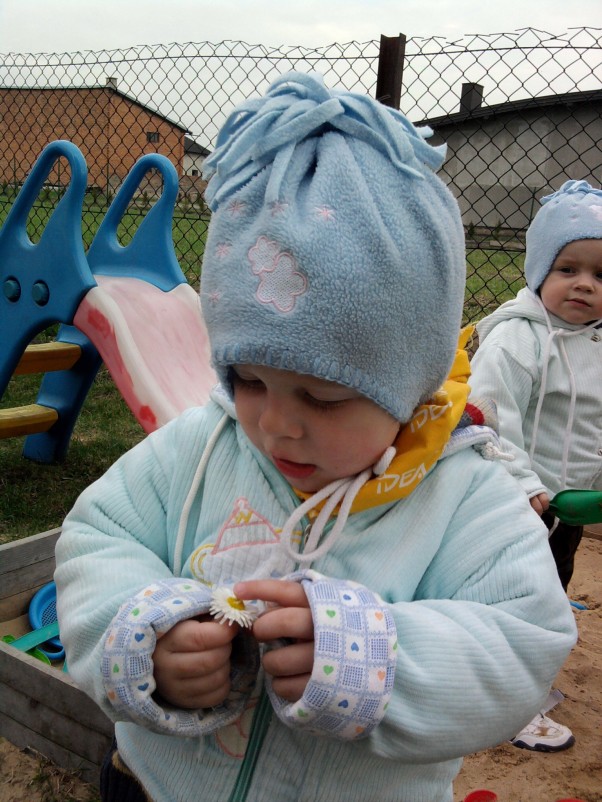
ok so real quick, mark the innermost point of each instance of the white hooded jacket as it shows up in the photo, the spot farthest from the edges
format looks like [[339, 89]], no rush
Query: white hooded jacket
[[545, 376]]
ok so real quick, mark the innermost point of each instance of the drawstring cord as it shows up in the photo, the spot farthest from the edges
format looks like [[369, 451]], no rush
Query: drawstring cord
[[561, 335], [571, 416], [345, 489], [196, 481]]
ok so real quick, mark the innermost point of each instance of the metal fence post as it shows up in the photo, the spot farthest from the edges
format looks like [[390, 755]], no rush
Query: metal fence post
[[390, 69]]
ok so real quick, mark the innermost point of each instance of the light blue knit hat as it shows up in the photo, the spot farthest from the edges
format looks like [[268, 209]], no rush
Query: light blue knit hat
[[333, 249], [573, 212]]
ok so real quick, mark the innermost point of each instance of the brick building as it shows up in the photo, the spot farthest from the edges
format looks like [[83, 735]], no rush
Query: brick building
[[111, 129]]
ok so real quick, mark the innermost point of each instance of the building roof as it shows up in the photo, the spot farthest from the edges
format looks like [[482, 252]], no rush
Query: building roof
[[143, 106], [193, 148], [512, 106]]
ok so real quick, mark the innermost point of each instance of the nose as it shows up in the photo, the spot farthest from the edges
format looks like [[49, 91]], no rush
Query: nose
[[585, 281], [279, 417]]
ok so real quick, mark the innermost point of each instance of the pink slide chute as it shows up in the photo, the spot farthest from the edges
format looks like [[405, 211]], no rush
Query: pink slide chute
[[154, 344]]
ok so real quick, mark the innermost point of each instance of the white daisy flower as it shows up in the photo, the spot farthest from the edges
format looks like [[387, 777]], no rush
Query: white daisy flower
[[226, 607]]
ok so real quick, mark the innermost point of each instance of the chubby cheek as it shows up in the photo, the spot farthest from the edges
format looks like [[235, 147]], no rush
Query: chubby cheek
[[248, 418], [354, 451]]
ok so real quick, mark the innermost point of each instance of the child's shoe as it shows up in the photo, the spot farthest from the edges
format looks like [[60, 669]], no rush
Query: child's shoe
[[544, 735]]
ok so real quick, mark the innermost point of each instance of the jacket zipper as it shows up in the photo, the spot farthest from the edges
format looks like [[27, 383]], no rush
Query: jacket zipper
[[262, 716]]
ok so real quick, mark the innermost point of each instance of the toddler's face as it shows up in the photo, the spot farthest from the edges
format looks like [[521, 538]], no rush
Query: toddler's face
[[313, 431], [572, 289]]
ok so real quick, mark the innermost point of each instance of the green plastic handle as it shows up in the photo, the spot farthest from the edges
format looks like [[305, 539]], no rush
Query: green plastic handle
[[32, 639], [578, 507]]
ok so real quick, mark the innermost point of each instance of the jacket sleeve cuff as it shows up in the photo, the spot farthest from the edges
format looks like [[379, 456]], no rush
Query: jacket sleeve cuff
[[127, 664], [354, 661]]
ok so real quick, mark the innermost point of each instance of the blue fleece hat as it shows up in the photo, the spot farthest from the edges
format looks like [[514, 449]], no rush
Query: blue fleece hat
[[572, 213], [333, 249]]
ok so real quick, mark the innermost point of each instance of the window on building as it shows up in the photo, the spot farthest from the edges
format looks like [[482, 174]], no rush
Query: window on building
[[194, 172], [152, 136]]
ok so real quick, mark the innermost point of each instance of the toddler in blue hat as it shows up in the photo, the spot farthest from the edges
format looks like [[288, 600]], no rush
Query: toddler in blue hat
[[307, 589], [539, 360]]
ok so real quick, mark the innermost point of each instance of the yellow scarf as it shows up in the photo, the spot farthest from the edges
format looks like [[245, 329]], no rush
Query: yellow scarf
[[422, 439]]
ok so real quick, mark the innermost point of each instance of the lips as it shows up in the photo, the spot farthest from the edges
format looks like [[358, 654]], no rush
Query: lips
[[296, 470]]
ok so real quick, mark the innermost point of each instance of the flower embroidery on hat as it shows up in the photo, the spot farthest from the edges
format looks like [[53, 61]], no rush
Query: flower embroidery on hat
[[280, 280], [223, 249], [324, 213], [278, 208], [236, 208]]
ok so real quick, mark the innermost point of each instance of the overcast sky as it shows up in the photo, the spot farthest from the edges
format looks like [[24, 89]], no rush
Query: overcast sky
[[57, 26]]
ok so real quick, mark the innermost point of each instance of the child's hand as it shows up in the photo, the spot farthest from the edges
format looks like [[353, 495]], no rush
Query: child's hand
[[192, 663], [288, 616], [540, 503]]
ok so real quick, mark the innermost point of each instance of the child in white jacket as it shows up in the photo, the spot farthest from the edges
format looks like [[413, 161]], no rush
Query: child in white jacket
[[540, 359], [338, 483]]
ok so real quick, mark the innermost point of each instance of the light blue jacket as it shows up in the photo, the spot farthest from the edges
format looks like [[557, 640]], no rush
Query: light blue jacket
[[462, 569], [527, 359]]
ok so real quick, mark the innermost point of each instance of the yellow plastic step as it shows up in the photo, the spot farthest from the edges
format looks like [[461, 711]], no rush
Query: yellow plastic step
[[43, 357], [30, 419]]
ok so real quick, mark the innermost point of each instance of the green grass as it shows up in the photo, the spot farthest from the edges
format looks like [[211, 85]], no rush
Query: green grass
[[492, 277], [36, 497]]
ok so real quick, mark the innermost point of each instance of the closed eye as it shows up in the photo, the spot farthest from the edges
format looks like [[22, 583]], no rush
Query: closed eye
[[249, 385], [322, 404]]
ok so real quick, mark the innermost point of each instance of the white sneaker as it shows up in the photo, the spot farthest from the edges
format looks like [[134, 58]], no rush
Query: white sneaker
[[544, 735]]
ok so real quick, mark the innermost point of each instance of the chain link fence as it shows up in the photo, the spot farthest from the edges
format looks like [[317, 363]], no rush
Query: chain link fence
[[520, 113]]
